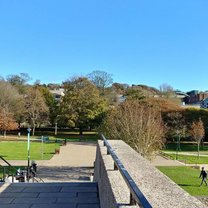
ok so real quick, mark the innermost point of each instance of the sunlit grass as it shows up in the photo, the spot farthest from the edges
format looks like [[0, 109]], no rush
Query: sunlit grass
[[18, 150], [187, 178]]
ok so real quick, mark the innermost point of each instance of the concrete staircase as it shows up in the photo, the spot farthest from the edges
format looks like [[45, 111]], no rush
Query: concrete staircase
[[49, 195]]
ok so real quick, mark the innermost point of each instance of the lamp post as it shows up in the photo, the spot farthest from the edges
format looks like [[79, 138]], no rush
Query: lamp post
[[28, 153]]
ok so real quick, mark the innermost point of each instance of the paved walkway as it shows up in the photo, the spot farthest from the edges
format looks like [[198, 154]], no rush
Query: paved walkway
[[75, 162], [74, 154], [161, 161]]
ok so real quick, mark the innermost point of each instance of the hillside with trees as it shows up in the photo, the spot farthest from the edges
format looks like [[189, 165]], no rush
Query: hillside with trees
[[141, 115]]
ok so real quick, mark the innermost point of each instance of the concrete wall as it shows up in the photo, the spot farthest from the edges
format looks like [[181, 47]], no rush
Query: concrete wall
[[159, 190]]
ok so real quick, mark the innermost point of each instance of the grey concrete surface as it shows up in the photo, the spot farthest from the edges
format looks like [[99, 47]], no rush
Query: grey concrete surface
[[112, 189], [159, 190], [161, 161], [74, 154], [74, 163], [52, 195]]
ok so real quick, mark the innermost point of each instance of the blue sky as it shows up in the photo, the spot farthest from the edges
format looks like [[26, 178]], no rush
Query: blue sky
[[137, 41]]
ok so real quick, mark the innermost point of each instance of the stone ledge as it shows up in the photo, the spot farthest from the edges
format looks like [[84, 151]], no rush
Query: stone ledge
[[159, 190]]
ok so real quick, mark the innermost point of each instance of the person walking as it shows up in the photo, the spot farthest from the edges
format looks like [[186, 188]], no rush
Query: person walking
[[203, 175]]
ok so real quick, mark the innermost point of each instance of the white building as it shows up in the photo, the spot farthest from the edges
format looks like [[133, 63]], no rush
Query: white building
[[58, 93]]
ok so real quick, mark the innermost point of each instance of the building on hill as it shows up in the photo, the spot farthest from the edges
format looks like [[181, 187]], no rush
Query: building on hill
[[58, 94], [204, 103], [195, 97], [181, 95]]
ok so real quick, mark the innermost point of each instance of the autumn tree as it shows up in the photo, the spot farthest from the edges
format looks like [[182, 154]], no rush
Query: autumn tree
[[140, 125], [7, 122], [36, 108], [101, 79], [197, 132], [11, 101], [81, 104], [119, 88]]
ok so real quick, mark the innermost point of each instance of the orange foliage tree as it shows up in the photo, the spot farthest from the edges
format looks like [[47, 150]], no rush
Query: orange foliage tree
[[7, 121], [197, 132]]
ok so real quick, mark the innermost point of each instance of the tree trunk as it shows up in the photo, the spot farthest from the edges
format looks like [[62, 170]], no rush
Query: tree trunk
[[198, 150], [80, 131], [4, 133], [80, 134], [33, 131]]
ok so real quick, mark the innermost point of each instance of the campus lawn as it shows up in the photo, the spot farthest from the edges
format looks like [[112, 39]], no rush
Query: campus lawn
[[188, 159], [186, 147], [68, 135], [187, 178], [18, 150]]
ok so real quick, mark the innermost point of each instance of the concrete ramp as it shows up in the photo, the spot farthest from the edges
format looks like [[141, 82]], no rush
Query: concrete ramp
[[49, 195]]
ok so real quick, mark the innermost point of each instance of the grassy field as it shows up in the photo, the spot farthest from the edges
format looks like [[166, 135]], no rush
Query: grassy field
[[69, 136], [186, 147], [187, 178], [188, 159], [18, 150]]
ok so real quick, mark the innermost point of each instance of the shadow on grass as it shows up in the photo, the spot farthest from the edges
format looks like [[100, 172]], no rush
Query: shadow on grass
[[188, 185], [48, 153]]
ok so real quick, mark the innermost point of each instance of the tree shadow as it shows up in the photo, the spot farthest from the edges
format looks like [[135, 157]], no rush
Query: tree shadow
[[188, 185]]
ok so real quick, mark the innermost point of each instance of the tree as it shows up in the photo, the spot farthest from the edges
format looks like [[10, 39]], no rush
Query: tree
[[138, 124], [11, 101], [52, 104], [169, 93], [19, 81], [135, 94], [175, 124], [36, 108], [101, 79], [81, 104], [7, 121], [197, 132], [119, 88]]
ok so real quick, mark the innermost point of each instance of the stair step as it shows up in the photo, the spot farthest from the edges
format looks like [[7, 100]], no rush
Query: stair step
[[52, 195]]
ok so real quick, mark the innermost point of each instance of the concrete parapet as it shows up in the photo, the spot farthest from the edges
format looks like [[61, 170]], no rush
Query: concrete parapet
[[159, 190]]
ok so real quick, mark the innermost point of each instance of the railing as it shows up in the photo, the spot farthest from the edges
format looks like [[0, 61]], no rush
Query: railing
[[136, 196], [4, 169]]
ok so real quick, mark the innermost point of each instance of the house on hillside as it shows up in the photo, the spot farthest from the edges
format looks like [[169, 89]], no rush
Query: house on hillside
[[58, 94], [195, 97], [204, 103], [181, 95]]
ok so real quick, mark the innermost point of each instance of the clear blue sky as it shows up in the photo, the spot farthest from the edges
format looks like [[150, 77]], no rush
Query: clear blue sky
[[138, 41]]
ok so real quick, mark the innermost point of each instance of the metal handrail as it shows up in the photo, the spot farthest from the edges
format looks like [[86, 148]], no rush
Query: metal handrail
[[9, 165], [137, 196]]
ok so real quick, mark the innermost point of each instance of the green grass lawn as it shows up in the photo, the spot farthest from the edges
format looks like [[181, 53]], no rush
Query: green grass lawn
[[189, 159], [69, 136], [18, 150], [187, 178], [189, 147]]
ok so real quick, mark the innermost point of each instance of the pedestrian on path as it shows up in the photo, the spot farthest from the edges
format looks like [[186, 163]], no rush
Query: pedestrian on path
[[203, 175]]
